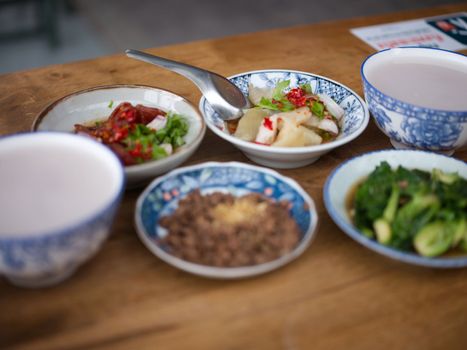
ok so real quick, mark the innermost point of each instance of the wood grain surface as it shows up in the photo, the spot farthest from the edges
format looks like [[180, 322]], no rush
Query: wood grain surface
[[337, 295]]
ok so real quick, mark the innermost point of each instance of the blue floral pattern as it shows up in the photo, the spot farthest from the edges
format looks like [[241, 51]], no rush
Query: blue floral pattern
[[415, 126], [382, 119], [424, 135], [43, 257], [353, 106]]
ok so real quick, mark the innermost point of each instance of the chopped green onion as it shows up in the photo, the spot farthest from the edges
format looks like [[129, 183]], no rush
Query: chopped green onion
[[317, 109]]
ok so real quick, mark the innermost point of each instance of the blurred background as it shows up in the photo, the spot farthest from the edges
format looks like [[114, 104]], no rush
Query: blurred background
[[35, 33]]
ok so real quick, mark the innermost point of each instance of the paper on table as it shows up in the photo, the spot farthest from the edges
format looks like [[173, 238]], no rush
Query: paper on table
[[445, 32]]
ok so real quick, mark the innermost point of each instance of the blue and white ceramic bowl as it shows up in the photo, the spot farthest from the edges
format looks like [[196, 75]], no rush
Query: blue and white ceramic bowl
[[354, 122], [161, 198], [59, 195], [342, 180], [415, 105]]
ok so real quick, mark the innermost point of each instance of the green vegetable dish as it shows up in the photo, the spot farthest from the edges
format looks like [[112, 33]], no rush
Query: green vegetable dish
[[412, 210]]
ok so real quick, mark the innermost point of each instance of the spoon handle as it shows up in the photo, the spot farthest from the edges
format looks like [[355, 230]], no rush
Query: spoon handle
[[196, 75], [223, 95]]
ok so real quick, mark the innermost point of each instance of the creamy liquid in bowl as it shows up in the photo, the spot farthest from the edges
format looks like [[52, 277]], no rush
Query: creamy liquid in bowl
[[437, 80], [49, 183]]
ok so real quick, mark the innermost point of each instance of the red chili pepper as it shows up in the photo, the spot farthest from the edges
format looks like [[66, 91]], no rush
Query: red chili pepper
[[148, 152], [131, 115], [120, 132], [136, 151], [267, 123], [297, 97]]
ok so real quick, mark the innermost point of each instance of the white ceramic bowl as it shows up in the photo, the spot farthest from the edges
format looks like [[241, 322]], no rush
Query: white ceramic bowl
[[343, 179], [161, 198], [59, 195], [92, 104], [418, 97], [354, 122]]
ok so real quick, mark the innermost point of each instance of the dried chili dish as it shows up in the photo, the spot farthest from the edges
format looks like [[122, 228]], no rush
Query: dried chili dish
[[225, 220], [151, 130]]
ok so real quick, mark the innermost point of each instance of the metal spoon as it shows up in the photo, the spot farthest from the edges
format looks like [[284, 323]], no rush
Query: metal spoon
[[224, 97]]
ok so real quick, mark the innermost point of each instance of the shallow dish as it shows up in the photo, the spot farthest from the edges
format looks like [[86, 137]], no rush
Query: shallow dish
[[355, 119], [343, 179], [97, 103], [60, 193], [417, 97], [161, 198]]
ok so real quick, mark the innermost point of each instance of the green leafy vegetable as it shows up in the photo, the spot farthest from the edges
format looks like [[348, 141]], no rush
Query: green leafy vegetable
[[411, 217], [413, 209], [372, 196], [433, 239], [278, 92]]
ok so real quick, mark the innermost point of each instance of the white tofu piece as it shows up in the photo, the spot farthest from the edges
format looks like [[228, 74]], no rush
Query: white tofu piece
[[158, 123]]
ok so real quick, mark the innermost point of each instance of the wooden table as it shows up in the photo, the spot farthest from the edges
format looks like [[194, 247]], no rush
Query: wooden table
[[337, 295]]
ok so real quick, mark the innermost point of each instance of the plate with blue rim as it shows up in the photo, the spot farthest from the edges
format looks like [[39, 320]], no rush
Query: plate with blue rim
[[161, 198], [343, 179]]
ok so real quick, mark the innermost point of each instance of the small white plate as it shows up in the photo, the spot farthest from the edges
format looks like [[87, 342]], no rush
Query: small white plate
[[98, 103]]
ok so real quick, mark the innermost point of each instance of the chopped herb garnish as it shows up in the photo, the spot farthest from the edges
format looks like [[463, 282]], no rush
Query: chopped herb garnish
[[158, 152], [307, 88], [111, 103], [278, 92], [317, 108], [282, 105]]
